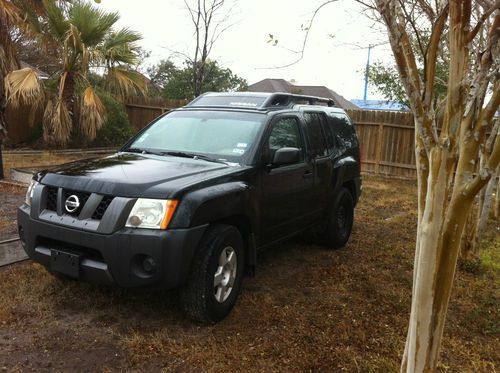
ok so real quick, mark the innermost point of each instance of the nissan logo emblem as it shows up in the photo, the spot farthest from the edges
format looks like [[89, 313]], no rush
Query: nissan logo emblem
[[72, 203]]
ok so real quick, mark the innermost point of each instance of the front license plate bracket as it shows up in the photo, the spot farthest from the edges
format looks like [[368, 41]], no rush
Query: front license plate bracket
[[67, 263]]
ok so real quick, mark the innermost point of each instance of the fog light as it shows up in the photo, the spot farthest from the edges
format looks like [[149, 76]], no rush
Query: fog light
[[149, 265]]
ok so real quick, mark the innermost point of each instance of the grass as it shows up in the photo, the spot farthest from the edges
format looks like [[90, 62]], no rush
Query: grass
[[308, 309]]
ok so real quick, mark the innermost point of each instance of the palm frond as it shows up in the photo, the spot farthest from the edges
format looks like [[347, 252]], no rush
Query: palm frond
[[93, 24], [9, 13], [92, 113], [121, 47], [23, 87], [56, 20], [57, 122], [124, 82]]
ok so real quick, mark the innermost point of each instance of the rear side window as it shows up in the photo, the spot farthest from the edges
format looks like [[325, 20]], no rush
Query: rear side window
[[314, 121], [344, 130], [331, 141]]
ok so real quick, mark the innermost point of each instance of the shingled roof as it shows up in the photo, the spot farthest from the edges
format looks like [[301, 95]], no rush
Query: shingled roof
[[281, 85]]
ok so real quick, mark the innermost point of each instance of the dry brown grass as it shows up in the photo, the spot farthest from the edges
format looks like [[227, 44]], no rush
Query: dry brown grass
[[11, 196], [308, 309]]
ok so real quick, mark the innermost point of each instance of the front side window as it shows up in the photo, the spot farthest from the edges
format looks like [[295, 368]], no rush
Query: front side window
[[285, 134], [224, 135]]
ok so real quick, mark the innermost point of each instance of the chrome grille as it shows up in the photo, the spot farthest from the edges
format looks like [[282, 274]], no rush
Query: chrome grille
[[83, 197]]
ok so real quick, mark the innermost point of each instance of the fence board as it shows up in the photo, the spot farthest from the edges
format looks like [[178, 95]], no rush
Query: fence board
[[387, 141], [142, 110]]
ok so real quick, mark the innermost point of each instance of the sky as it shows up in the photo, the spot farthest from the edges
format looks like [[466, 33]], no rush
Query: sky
[[335, 54]]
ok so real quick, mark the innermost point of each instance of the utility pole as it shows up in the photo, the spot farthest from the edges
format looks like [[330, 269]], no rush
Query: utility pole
[[367, 70]]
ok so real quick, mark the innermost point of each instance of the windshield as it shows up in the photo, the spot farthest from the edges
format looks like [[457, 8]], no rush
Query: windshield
[[222, 135]]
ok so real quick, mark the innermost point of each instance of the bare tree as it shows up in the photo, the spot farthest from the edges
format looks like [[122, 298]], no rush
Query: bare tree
[[210, 19], [446, 159]]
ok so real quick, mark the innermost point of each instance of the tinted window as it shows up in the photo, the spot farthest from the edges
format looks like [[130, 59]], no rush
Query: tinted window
[[331, 141], [344, 130], [315, 133], [285, 134], [225, 135]]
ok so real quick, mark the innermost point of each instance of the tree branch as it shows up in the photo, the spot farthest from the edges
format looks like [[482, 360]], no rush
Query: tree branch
[[472, 34], [480, 180], [306, 36], [408, 71], [431, 55]]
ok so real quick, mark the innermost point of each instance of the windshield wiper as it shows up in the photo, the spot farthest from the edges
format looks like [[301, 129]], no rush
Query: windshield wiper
[[142, 151], [194, 156]]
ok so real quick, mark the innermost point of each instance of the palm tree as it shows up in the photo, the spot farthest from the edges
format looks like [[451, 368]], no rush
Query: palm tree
[[15, 16], [87, 43]]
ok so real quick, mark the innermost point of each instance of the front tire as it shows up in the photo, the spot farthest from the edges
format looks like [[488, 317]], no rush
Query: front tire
[[340, 221], [216, 275]]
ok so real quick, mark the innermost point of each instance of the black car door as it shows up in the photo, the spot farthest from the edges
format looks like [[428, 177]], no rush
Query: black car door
[[286, 190]]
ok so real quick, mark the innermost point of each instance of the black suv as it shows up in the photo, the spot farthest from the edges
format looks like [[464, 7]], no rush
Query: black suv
[[189, 200]]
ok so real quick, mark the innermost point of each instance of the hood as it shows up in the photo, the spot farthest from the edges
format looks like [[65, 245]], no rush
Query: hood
[[134, 175]]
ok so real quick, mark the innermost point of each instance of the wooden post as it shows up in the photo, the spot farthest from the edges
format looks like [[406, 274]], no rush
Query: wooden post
[[379, 146]]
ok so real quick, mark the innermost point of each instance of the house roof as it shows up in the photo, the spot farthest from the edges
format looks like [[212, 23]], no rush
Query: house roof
[[41, 74], [281, 85], [380, 105]]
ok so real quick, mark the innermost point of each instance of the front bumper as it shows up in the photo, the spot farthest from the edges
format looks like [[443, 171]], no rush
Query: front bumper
[[116, 257]]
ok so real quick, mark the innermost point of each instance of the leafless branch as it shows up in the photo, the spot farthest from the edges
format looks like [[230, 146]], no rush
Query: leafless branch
[[304, 41], [431, 55], [472, 34]]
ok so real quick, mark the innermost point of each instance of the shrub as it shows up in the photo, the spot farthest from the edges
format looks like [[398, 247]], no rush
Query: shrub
[[116, 129]]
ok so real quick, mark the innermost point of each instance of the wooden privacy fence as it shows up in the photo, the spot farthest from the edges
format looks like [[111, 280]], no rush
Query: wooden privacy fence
[[386, 138], [142, 110], [23, 123], [387, 142]]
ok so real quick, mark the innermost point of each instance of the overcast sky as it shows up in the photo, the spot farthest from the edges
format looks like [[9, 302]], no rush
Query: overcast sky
[[335, 55]]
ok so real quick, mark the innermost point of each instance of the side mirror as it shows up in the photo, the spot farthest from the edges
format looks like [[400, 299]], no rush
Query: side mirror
[[284, 156]]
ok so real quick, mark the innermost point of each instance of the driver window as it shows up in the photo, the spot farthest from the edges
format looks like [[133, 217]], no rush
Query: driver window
[[285, 134]]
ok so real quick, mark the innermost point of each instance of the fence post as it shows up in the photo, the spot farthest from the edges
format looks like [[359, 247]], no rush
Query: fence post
[[379, 146]]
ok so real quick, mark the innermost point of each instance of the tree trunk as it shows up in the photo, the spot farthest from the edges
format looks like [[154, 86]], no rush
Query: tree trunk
[[497, 196], [68, 93], [438, 245], [468, 248], [483, 213]]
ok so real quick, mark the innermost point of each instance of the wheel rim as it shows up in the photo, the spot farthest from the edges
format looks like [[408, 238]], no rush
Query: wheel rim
[[225, 275]]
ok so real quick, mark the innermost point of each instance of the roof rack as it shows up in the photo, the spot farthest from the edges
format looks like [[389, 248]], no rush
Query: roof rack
[[256, 100], [286, 99]]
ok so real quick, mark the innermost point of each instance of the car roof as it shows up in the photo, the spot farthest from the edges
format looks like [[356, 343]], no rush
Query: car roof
[[259, 101]]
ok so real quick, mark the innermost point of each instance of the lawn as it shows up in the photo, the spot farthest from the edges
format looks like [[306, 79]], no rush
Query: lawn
[[307, 309]]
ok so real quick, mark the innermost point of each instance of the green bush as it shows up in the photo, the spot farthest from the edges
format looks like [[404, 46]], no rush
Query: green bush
[[116, 130]]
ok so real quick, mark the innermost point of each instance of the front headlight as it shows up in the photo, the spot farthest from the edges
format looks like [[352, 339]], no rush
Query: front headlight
[[151, 213], [29, 192]]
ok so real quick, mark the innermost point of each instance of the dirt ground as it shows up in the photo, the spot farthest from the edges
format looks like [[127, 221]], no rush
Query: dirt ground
[[10, 198], [308, 309]]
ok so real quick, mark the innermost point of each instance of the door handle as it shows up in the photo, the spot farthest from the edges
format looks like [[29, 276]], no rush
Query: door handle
[[307, 174]]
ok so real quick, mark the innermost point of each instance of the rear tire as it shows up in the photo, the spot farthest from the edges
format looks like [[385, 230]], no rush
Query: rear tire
[[340, 221], [216, 275]]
